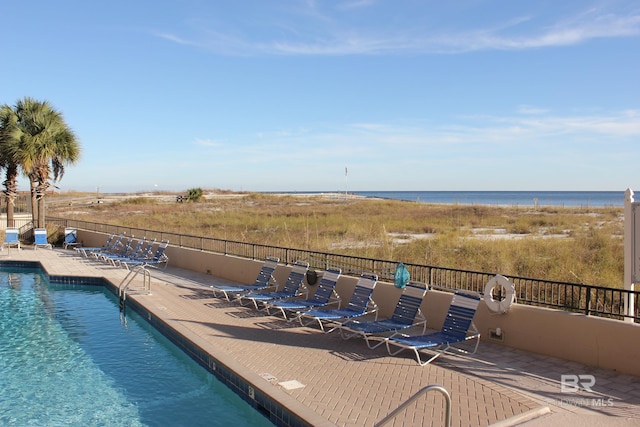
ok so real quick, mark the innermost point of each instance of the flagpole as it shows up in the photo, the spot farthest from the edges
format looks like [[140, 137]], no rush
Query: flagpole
[[346, 187]]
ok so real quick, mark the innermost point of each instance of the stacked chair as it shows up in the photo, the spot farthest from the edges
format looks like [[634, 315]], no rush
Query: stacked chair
[[121, 251], [142, 249], [150, 259], [111, 244]]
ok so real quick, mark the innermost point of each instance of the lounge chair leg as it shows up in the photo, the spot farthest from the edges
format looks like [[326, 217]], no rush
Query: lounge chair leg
[[434, 357], [380, 342]]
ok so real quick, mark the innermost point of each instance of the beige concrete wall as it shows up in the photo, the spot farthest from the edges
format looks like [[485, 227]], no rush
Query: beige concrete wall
[[594, 341]]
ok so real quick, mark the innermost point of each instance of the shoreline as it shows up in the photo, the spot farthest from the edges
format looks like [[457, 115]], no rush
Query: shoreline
[[170, 197]]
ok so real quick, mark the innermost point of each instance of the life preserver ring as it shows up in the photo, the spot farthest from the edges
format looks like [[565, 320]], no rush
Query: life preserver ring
[[499, 306]]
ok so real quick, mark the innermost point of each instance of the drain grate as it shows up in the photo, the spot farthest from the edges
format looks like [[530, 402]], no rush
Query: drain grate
[[291, 385]]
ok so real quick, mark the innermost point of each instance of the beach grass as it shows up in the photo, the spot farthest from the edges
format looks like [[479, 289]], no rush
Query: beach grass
[[579, 245]]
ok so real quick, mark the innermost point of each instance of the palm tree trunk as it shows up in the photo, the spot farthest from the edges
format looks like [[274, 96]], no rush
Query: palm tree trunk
[[41, 212], [34, 204], [11, 192], [10, 203]]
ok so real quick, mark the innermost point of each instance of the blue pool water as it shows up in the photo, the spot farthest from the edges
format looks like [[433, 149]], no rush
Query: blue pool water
[[67, 357]]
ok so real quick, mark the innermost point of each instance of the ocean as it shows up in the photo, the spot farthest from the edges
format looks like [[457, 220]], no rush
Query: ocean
[[507, 198]]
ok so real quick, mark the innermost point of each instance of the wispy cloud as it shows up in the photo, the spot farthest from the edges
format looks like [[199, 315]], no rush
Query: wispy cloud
[[174, 38], [576, 30], [207, 143], [312, 32], [528, 109], [460, 136], [355, 4]]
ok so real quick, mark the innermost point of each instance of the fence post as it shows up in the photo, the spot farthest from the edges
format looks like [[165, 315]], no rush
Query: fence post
[[588, 301], [631, 252]]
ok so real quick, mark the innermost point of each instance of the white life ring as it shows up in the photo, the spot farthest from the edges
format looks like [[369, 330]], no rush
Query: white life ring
[[499, 306]]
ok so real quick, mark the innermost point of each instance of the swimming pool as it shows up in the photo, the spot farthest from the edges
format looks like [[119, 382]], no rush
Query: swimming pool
[[67, 357]]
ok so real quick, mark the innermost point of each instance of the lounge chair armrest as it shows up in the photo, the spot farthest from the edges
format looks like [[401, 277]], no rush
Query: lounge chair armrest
[[372, 307]]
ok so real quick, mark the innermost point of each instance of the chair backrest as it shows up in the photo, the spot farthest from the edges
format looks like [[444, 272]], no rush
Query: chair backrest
[[147, 251], [409, 303], [266, 272], [40, 235], [126, 249], [137, 251], [361, 296], [327, 285], [296, 277], [113, 242], [71, 236], [460, 315], [157, 257], [11, 235]]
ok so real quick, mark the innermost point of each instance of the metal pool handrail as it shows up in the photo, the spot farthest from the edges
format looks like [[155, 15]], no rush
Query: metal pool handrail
[[424, 390]]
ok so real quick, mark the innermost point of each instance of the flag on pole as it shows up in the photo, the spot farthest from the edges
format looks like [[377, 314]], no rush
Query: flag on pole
[[345, 171]]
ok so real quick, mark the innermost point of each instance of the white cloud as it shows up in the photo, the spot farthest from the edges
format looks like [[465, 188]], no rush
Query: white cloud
[[309, 32], [207, 143], [355, 4], [528, 109]]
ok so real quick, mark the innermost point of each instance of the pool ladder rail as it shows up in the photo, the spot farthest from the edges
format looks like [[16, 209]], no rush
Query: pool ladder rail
[[424, 390], [124, 284]]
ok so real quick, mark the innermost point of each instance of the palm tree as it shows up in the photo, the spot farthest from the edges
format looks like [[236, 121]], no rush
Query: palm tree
[[194, 194], [44, 145], [9, 142]]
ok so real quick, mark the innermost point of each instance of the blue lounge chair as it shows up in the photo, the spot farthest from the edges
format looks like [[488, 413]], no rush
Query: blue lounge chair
[[40, 236], [143, 252], [159, 257], [324, 296], [119, 248], [458, 327], [263, 282], [111, 243], [360, 304], [11, 238], [130, 253], [293, 287], [70, 238], [406, 314]]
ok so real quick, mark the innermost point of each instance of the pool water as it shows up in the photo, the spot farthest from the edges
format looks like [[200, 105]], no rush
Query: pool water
[[68, 357]]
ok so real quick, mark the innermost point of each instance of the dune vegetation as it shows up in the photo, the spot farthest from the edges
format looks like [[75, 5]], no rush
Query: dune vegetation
[[579, 245]]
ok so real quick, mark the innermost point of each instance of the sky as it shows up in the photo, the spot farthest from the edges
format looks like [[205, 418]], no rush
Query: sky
[[335, 95]]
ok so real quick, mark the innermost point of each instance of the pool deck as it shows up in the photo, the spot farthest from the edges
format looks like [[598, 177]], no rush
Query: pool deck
[[330, 381]]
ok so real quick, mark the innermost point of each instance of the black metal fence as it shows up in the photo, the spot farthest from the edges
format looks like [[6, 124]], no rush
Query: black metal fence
[[587, 299]]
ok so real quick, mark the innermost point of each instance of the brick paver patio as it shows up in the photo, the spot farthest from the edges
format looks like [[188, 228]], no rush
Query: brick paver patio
[[330, 381]]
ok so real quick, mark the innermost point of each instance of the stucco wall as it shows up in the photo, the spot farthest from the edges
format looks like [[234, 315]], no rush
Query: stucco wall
[[590, 340]]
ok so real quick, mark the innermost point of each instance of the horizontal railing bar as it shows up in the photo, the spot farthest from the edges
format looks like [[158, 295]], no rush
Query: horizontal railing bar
[[575, 297]]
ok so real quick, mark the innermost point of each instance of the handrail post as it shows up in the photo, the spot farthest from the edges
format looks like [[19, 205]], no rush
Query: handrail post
[[424, 390]]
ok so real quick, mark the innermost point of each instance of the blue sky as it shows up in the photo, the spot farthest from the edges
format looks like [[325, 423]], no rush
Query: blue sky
[[283, 95]]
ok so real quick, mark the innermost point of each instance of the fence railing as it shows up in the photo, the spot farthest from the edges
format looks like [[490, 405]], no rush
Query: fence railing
[[581, 298]]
